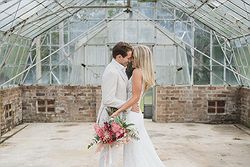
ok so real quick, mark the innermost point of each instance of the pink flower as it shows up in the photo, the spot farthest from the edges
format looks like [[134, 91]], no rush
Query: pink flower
[[98, 130], [120, 133], [107, 138], [112, 132], [115, 127]]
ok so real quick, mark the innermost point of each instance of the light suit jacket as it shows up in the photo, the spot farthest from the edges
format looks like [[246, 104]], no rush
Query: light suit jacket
[[114, 89]]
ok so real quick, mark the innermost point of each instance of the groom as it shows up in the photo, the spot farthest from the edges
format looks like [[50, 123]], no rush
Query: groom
[[114, 93]]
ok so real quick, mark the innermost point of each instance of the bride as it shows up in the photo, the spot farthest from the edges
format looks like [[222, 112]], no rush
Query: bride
[[139, 153]]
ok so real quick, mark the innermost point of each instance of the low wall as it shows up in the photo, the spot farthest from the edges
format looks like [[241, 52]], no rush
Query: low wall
[[245, 106], [59, 103], [210, 104], [10, 109], [207, 104]]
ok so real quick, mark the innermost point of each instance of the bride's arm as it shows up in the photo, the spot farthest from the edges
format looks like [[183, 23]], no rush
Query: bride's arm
[[136, 92]]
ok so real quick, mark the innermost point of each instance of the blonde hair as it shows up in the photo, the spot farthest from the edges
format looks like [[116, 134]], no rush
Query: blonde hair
[[143, 60]]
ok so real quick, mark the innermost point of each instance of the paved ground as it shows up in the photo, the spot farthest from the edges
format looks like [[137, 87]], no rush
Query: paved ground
[[178, 145]]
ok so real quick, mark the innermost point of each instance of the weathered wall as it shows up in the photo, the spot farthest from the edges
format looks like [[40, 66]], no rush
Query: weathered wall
[[10, 108], [59, 103], [210, 104], [196, 104], [244, 106]]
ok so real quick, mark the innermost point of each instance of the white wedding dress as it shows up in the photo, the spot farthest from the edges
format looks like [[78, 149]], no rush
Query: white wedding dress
[[139, 153]]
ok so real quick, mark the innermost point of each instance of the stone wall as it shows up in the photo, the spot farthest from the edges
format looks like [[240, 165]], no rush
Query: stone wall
[[245, 106], [59, 103], [208, 104], [10, 109]]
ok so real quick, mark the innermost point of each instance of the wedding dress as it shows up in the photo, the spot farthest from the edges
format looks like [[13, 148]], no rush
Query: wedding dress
[[139, 153]]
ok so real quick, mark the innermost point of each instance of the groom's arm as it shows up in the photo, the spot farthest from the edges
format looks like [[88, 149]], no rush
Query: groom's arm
[[109, 88]]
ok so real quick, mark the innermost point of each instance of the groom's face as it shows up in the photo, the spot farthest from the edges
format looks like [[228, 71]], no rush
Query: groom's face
[[125, 60]]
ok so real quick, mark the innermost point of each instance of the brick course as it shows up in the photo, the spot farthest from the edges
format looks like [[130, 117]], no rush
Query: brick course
[[190, 104], [65, 103], [10, 108], [244, 106], [81, 103]]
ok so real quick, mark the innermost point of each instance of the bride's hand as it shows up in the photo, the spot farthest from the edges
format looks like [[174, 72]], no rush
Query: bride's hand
[[135, 108], [115, 114]]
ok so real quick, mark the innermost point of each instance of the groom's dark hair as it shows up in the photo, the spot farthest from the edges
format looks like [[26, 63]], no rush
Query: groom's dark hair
[[121, 48]]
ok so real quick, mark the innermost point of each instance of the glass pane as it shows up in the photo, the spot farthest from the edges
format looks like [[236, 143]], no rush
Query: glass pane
[[200, 60], [169, 25], [94, 75], [165, 75], [189, 59], [146, 32], [99, 38], [164, 55], [64, 73], [230, 77], [45, 75], [147, 9], [55, 76], [96, 55], [115, 26], [113, 12], [217, 75], [31, 76], [164, 13], [162, 39], [130, 31], [247, 53], [45, 51], [218, 55], [11, 54], [55, 38], [201, 75], [202, 41], [5, 74]]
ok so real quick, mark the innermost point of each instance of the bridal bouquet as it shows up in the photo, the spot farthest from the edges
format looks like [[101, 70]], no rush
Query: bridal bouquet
[[114, 132]]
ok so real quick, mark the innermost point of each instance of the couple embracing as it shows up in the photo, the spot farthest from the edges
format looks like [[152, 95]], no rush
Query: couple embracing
[[125, 94]]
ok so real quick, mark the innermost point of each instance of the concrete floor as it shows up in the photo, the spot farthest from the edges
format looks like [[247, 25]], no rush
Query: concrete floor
[[177, 144]]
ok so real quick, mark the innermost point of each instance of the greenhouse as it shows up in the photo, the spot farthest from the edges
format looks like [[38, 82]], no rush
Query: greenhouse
[[53, 54]]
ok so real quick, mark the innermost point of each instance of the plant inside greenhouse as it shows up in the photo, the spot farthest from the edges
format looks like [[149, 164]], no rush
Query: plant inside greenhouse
[[158, 83]]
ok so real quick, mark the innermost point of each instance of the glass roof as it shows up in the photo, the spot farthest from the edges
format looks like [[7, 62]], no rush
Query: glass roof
[[30, 18], [230, 18]]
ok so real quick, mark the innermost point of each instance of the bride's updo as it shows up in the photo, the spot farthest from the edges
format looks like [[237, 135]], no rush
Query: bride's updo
[[144, 61]]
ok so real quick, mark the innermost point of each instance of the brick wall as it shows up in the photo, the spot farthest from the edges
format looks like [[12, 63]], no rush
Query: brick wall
[[10, 109], [81, 103], [59, 103], [98, 99], [245, 106], [190, 104]]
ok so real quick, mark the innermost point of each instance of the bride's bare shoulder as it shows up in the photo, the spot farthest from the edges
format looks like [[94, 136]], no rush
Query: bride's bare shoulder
[[137, 76], [137, 72]]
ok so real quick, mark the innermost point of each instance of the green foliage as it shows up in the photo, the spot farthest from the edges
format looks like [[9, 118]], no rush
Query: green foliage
[[95, 140]]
